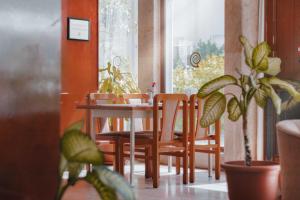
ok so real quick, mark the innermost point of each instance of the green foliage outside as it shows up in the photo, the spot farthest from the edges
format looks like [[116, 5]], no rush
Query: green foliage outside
[[192, 78], [211, 66], [209, 48]]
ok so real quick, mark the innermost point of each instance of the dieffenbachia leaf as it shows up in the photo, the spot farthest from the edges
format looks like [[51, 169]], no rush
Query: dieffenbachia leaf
[[274, 97], [261, 97], [274, 66], [285, 86], [73, 168], [78, 147], [260, 57], [115, 181], [248, 50], [214, 107], [75, 126], [234, 109], [289, 104], [104, 191], [215, 85]]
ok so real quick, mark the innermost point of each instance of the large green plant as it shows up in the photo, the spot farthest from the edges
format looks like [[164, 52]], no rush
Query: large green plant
[[252, 86], [78, 150], [114, 81]]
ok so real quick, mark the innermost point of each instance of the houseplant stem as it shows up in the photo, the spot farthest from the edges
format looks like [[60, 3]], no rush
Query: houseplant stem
[[248, 158]]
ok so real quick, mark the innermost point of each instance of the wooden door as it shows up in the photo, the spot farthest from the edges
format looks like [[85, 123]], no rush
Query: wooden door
[[79, 60], [283, 33]]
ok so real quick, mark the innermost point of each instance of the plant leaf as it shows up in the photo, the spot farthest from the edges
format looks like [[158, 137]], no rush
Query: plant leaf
[[260, 56], [109, 67], [78, 147], [75, 126], [261, 97], [102, 69], [274, 97], [62, 165], [104, 191], [274, 66], [234, 109], [285, 86], [248, 50], [214, 107], [289, 104], [73, 168], [215, 85], [115, 181]]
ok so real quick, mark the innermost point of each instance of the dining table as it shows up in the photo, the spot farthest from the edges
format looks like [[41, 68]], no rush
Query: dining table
[[130, 111]]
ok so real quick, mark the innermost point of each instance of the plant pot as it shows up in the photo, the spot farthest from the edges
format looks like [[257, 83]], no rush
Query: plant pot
[[258, 182]]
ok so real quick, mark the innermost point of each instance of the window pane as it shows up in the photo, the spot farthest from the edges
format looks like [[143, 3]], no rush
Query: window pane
[[194, 26], [118, 29]]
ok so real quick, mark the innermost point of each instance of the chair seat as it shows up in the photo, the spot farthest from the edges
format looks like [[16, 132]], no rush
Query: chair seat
[[123, 134], [139, 135], [206, 138]]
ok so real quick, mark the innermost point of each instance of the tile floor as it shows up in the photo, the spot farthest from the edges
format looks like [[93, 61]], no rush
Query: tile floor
[[171, 187]]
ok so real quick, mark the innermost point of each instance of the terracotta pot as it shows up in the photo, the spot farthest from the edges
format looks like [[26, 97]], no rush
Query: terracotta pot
[[258, 182]]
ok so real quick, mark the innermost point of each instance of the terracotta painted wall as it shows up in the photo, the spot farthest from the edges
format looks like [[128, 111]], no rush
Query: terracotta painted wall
[[79, 60]]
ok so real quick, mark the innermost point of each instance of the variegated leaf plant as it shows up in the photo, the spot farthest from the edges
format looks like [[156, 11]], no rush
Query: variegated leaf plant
[[78, 150], [113, 81], [252, 86]]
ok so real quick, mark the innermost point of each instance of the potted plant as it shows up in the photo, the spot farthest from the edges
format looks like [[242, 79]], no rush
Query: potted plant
[[113, 81], [77, 151], [248, 179]]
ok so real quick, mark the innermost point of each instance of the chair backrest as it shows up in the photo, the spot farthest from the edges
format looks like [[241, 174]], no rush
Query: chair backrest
[[196, 111], [96, 98], [138, 98], [164, 123]]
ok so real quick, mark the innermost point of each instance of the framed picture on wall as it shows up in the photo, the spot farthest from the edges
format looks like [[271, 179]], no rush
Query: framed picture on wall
[[78, 29]]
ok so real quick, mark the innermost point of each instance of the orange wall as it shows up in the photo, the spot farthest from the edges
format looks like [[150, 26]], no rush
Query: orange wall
[[79, 60]]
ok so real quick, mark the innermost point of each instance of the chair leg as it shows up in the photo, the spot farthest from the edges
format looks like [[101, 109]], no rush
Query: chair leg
[[217, 165], [177, 165], [192, 165], [185, 167], [121, 164], [147, 162], [155, 167], [117, 155]]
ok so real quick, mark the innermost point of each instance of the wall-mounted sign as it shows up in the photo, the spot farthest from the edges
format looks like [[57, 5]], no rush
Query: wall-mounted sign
[[78, 29]]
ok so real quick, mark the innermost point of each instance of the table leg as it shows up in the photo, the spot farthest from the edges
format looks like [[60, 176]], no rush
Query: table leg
[[169, 164], [209, 165], [132, 147]]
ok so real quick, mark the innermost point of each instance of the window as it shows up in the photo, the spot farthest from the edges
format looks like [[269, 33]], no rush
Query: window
[[193, 26], [118, 29]]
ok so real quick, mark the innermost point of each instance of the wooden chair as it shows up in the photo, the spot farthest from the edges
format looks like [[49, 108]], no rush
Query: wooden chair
[[198, 134], [106, 134], [162, 140]]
